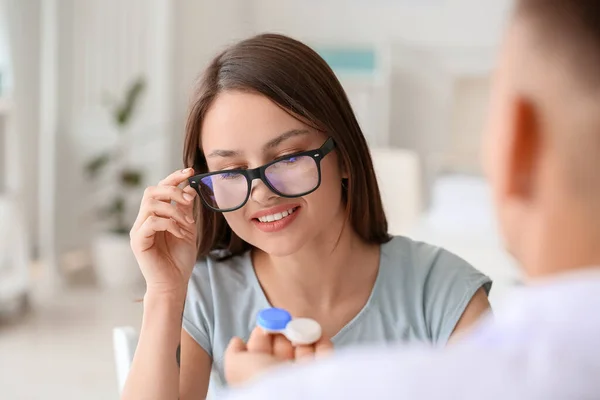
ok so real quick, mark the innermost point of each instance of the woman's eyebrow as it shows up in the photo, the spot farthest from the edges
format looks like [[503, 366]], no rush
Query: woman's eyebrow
[[224, 153], [271, 144]]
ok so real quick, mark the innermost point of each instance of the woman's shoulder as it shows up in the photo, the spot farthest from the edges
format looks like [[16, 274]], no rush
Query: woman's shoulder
[[221, 284], [218, 288], [216, 269], [424, 262], [436, 283], [405, 252]]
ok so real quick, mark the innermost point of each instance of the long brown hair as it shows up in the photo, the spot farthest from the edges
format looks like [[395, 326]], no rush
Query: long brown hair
[[297, 79]]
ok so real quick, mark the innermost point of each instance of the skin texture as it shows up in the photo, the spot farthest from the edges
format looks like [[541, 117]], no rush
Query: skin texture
[[263, 351]]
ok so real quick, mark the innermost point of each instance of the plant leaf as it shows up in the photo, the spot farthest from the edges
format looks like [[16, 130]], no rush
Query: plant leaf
[[116, 207], [125, 112], [95, 165], [131, 178]]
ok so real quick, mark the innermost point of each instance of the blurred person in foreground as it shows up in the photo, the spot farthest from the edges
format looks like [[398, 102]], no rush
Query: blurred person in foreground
[[543, 161]]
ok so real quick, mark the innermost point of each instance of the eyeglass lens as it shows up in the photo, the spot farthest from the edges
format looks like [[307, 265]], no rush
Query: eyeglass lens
[[293, 176]]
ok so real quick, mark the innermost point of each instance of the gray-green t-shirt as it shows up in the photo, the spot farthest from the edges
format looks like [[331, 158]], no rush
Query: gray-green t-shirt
[[419, 294]]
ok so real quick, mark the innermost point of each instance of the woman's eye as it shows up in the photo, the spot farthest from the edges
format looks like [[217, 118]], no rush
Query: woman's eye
[[227, 168], [229, 176], [290, 160]]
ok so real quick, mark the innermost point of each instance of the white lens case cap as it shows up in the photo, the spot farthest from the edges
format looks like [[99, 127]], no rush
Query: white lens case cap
[[303, 331]]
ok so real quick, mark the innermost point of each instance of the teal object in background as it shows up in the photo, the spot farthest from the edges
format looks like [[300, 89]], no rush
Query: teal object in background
[[349, 60]]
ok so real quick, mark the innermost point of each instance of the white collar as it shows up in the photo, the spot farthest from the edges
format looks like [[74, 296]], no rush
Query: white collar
[[590, 273]]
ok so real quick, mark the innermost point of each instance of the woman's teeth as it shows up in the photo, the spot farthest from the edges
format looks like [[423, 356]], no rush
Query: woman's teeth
[[276, 217]]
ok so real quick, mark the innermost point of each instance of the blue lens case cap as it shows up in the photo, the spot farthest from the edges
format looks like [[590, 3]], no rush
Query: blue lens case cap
[[273, 319]]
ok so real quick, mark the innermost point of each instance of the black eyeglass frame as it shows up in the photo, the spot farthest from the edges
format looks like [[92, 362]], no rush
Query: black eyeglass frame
[[259, 173]]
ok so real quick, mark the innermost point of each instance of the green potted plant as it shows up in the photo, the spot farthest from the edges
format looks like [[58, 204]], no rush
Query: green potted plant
[[120, 181]]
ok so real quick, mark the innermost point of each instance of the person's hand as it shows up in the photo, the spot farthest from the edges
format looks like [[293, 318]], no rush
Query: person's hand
[[264, 351], [163, 237]]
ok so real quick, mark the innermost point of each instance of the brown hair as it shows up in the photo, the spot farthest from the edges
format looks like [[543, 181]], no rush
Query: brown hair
[[297, 79], [569, 29]]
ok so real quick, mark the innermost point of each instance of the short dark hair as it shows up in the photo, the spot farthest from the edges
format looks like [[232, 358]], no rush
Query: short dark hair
[[296, 78], [570, 30]]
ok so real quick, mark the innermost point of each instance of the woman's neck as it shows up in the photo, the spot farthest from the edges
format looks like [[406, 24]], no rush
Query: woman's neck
[[326, 270]]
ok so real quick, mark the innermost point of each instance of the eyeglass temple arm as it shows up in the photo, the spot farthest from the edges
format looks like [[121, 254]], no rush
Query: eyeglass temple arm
[[196, 162], [328, 146]]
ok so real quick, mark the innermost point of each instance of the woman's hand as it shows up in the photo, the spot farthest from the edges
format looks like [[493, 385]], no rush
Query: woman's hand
[[163, 237], [245, 362]]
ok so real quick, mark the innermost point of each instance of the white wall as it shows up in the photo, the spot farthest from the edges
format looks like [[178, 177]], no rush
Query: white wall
[[201, 29], [443, 23], [103, 44], [23, 17], [5, 65], [434, 44], [470, 110]]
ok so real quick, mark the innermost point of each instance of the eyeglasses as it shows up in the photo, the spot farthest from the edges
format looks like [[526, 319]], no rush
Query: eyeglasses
[[294, 175]]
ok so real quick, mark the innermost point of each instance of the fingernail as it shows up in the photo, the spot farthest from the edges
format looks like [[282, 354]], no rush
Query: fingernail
[[189, 219], [188, 197], [185, 171]]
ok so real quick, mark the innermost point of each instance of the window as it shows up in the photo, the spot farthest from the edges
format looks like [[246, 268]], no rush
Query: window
[[5, 77]]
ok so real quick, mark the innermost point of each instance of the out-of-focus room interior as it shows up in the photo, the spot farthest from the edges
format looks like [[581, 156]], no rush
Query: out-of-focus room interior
[[74, 159]]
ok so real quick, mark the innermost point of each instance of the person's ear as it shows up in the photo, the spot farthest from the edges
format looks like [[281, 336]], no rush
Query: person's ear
[[524, 148], [344, 170]]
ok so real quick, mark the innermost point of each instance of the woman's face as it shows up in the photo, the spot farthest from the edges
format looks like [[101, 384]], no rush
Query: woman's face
[[243, 130]]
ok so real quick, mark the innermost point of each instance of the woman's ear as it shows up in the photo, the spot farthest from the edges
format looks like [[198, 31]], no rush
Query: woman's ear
[[345, 183], [345, 174]]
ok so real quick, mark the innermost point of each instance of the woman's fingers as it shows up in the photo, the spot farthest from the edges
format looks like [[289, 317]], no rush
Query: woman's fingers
[[170, 193], [156, 224], [260, 341], [323, 347], [282, 348], [144, 237], [242, 365], [304, 352], [166, 210], [236, 345], [181, 201], [177, 177], [189, 193]]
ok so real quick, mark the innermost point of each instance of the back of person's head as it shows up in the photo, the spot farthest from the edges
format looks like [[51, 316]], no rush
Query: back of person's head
[[543, 147], [298, 81]]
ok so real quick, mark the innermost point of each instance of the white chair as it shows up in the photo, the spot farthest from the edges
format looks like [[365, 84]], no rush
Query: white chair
[[125, 339], [14, 257]]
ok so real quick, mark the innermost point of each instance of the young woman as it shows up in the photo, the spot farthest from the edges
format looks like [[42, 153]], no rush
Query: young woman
[[290, 216]]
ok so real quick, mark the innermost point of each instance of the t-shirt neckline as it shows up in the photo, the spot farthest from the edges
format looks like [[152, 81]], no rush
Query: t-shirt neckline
[[355, 320]]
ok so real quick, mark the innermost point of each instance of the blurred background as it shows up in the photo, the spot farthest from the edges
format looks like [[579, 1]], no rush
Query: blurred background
[[93, 98]]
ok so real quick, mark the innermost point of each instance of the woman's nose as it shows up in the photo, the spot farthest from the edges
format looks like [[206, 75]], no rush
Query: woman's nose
[[260, 193]]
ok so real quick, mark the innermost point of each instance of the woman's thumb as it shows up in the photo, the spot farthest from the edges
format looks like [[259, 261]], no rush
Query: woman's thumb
[[236, 345]]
